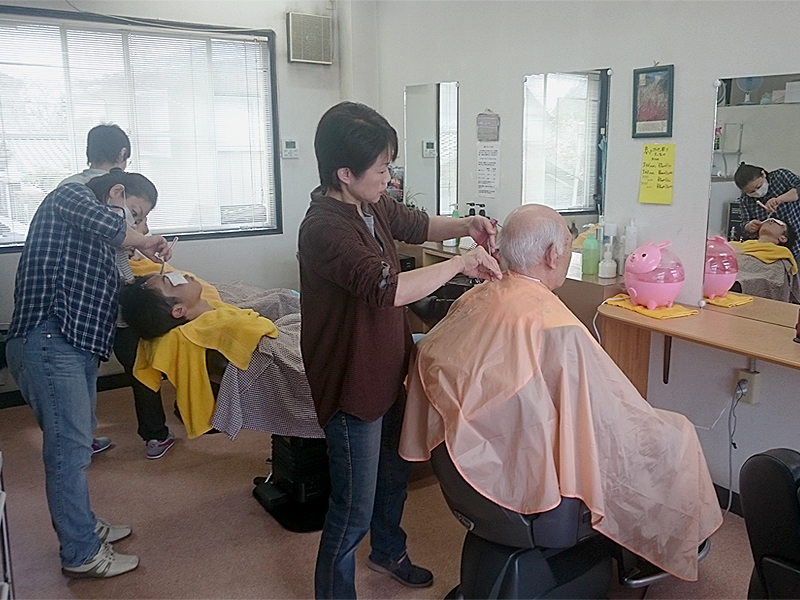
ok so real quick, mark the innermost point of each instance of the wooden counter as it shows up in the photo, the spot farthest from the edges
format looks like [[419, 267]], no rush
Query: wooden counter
[[747, 331], [763, 309]]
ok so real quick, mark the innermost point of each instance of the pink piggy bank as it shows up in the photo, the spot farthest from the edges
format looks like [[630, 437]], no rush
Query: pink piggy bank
[[722, 267], [654, 275]]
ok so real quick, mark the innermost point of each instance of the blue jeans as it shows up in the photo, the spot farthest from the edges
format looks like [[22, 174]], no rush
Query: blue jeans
[[369, 481], [59, 382]]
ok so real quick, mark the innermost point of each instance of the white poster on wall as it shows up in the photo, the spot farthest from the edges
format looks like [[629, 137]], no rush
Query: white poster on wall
[[488, 169]]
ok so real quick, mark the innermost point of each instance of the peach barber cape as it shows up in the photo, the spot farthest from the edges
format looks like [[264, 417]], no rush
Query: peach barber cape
[[531, 408]]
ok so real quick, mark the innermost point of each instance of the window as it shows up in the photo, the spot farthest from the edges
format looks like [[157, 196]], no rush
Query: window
[[564, 124], [198, 105], [448, 146]]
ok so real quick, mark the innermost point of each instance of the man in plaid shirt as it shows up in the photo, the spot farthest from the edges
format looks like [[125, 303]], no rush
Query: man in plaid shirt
[[65, 307], [774, 194]]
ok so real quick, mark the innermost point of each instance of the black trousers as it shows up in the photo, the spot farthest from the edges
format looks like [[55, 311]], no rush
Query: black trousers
[[149, 409]]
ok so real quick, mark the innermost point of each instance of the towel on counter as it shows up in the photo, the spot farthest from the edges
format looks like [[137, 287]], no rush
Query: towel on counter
[[766, 252], [676, 310], [232, 331], [730, 300]]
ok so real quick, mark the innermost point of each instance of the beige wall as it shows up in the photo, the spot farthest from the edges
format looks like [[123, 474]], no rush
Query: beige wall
[[489, 46]]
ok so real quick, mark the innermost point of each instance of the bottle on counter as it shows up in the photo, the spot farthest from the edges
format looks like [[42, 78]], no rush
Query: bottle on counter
[[590, 255], [607, 269], [453, 241], [631, 238]]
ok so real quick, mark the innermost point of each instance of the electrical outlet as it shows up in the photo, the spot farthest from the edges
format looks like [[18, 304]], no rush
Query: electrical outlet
[[753, 378]]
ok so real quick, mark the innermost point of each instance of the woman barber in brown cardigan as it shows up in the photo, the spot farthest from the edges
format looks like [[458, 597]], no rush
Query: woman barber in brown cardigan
[[356, 339]]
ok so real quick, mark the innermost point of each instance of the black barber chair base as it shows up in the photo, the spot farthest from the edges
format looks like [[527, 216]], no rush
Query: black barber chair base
[[555, 554], [296, 492], [292, 516], [490, 570]]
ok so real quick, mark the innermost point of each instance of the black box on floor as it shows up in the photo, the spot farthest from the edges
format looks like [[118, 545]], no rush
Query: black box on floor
[[297, 491]]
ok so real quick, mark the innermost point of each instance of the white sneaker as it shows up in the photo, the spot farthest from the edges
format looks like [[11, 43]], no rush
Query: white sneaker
[[106, 563], [111, 533]]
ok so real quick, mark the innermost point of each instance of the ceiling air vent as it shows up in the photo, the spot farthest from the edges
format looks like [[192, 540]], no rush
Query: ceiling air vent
[[310, 38]]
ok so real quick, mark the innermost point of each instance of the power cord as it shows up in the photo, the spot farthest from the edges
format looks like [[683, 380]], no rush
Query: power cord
[[741, 388], [594, 321]]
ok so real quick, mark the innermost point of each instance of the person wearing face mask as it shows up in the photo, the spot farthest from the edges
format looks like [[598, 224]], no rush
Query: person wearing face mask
[[355, 337], [108, 149], [768, 194], [65, 305]]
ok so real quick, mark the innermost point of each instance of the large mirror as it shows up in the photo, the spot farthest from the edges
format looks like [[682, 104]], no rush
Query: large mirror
[[758, 123], [430, 178]]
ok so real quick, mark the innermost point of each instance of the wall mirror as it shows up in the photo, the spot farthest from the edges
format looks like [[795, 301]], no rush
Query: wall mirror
[[430, 180], [564, 140], [757, 122]]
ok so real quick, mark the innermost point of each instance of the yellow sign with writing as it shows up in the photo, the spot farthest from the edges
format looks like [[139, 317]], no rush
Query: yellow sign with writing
[[658, 169]]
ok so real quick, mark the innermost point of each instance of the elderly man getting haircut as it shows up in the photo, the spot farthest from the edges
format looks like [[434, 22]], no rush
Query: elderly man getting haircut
[[531, 409]]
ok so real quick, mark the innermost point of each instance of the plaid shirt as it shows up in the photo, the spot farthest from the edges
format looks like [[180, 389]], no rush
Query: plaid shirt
[[67, 269], [780, 181]]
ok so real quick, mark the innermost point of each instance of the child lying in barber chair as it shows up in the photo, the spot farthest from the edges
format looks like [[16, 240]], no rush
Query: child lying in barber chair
[[767, 267], [180, 317]]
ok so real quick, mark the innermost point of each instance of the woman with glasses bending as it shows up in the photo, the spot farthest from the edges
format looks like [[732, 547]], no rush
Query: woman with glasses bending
[[356, 339], [65, 308], [769, 194]]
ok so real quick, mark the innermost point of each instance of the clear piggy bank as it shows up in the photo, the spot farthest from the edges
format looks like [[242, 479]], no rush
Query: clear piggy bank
[[722, 268], [653, 275]]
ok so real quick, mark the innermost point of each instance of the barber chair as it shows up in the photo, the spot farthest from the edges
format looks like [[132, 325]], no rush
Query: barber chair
[[296, 492], [769, 490], [433, 308], [553, 554]]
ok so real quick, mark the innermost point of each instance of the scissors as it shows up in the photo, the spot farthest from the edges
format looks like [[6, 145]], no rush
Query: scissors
[[163, 262], [485, 236]]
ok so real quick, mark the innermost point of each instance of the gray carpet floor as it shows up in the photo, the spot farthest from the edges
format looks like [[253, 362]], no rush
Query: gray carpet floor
[[199, 533]]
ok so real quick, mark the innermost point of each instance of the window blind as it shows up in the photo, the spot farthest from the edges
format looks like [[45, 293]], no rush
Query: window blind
[[448, 146], [198, 108], [560, 137]]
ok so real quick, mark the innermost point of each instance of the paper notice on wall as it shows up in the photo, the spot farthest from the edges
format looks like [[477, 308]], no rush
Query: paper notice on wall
[[488, 169], [488, 126], [658, 168]]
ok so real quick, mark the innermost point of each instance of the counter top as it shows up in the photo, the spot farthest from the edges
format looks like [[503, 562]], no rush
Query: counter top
[[744, 333], [763, 309]]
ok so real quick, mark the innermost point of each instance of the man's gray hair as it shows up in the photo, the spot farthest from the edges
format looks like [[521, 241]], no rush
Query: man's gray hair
[[524, 247]]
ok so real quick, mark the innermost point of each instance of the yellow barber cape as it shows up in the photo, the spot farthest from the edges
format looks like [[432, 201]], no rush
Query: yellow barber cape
[[765, 252], [180, 354]]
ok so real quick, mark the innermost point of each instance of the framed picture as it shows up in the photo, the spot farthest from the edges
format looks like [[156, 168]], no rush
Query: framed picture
[[652, 101]]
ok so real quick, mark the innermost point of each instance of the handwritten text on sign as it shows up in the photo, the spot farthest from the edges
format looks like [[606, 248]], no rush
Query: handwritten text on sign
[[658, 169]]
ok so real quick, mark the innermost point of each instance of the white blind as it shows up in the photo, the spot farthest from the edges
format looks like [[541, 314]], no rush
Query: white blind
[[448, 146], [560, 137], [197, 107]]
